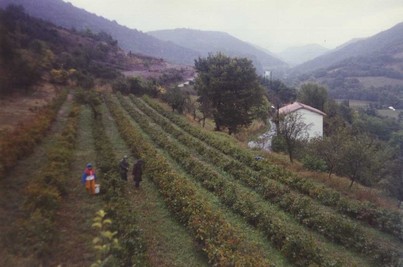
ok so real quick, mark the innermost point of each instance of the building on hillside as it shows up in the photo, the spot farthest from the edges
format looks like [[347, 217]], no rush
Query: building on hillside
[[312, 117], [267, 75]]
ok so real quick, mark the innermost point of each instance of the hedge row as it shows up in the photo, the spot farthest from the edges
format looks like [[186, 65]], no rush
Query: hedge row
[[307, 212], [46, 189], [21, 141], [294, 242], [132, 249], [224, 245], [380, 218]]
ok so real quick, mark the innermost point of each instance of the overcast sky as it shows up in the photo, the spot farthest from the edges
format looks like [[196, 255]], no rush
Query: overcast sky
[[272, 24]]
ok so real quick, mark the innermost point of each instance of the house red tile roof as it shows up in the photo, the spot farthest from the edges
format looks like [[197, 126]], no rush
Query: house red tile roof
[[296, 106]]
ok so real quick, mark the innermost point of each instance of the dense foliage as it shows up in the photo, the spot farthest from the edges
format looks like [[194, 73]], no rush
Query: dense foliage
[[230, 87], [32, 49]]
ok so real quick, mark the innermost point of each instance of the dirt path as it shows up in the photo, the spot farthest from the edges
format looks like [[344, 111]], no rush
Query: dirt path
[[168, 242], [12, 251], [74, 220]]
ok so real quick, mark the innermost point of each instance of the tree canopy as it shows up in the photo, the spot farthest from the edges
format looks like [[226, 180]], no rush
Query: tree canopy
[[230, 87], [313, 95], [279, 93], [293, 130]]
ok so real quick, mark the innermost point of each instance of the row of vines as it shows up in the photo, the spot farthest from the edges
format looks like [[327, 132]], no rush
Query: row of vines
[[131, 250], [385, 220], [22, 140], [222, 242], [45, 191], [306, 211]]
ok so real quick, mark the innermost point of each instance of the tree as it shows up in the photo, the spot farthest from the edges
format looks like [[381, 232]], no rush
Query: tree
[[359, 160], [279, 94], [135, 86], [205, 108], [176, 99], [393, 181], [333, 121], [313, 95], [122, 85], [230, 87], [293, 130], [329, 149]]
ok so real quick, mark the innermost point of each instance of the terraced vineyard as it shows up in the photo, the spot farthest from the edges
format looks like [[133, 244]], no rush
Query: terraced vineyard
[[306, 228], [227, 207]]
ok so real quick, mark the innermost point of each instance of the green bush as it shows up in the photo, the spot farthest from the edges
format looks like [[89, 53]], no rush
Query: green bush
[[314, 164], [278, 144]]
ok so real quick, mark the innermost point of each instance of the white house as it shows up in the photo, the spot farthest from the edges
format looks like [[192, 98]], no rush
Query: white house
[[310, 116]]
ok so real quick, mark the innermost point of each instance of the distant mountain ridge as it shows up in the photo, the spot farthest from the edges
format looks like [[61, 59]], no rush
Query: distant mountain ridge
[[379, 43], [205, 42], [300, 54], [365, 69], [68, 16]]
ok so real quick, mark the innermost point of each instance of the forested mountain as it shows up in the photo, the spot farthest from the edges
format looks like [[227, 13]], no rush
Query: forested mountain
[[300, 54], [366, 69], [388, 42], [33, 50], [205, 42], [66, 15]]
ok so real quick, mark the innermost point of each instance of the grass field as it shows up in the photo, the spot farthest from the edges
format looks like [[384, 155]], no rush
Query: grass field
[[356, 103], [389, 113]]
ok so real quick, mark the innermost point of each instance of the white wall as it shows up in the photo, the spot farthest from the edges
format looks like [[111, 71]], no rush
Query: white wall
[[314, 120]]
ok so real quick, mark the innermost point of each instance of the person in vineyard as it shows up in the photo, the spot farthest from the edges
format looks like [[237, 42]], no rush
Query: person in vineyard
[[137, 172], [88, 178], [123, 168]]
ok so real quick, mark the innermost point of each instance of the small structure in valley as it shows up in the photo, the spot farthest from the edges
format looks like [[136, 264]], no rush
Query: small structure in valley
[[310, 116]]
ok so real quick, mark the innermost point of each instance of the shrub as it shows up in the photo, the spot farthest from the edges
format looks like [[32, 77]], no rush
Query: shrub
[[315, 164]]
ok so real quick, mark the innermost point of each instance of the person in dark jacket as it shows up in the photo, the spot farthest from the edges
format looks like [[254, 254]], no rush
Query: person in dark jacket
[[137, 172], [123, 168]]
